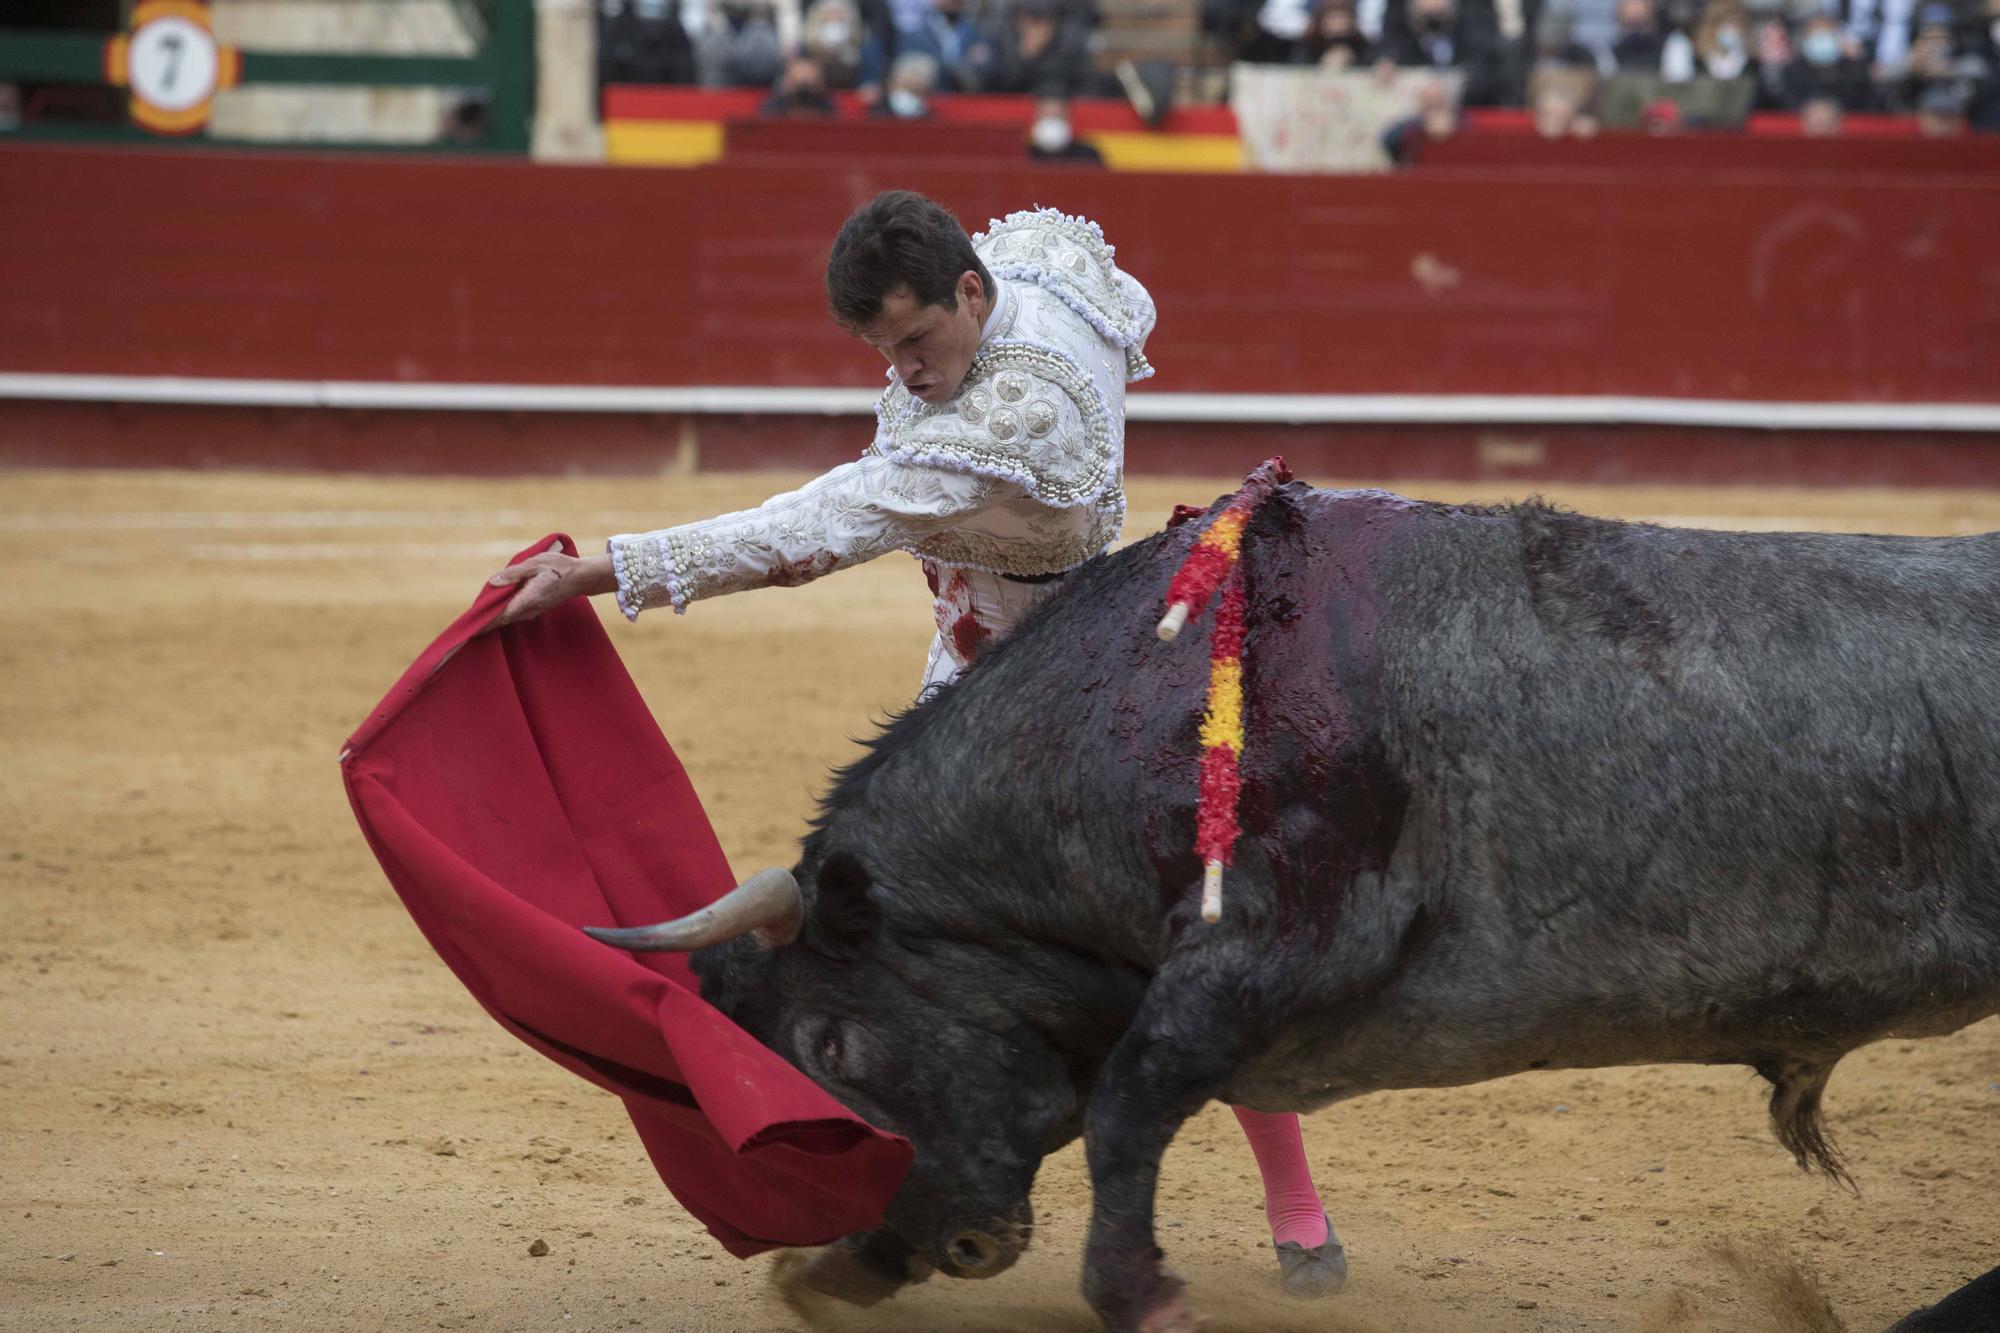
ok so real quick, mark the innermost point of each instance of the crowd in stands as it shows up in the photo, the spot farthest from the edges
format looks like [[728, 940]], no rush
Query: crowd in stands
[[895, 54], [1938, 60]]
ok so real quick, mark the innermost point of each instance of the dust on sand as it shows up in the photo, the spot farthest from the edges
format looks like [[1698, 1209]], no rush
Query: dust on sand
[[238, 1090]]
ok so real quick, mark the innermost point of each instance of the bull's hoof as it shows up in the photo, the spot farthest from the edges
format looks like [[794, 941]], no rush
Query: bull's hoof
[[1310, 1273], [1176, 1316], [841, 1274]]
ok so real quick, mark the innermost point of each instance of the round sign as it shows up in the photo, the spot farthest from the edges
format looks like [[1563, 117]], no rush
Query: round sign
[[173, 64]]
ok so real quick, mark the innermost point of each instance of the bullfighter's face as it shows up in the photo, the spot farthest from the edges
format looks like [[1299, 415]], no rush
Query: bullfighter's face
[[901, 1034], [930, 346]]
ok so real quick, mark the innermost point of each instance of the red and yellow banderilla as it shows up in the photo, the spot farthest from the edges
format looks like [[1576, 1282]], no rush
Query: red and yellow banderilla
[[1215, 561]]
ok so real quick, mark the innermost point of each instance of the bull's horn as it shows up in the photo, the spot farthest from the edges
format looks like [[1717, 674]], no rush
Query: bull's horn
[[767, 903]]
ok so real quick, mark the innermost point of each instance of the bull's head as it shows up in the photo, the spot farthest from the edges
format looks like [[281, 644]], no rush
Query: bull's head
[[912, 1029]]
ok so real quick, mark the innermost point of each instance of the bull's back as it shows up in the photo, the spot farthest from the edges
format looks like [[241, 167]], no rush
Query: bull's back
[[1686, 794]]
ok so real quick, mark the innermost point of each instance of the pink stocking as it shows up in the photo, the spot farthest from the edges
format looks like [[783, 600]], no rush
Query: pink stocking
[[1291, 1203]]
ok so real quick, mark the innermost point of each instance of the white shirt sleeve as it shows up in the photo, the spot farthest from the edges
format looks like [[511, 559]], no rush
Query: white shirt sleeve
[[854, 513]]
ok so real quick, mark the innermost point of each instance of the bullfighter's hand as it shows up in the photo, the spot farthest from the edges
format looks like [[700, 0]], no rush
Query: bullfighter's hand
[[550, 578]]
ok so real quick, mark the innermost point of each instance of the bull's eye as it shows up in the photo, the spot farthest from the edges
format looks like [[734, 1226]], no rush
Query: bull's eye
[[829, 1048]]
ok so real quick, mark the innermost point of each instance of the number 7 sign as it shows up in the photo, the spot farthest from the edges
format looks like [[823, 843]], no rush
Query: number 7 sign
[[173, 65]]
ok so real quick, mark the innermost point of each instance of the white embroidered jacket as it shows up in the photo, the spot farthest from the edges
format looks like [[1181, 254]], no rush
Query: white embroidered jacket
[[1020, 473]]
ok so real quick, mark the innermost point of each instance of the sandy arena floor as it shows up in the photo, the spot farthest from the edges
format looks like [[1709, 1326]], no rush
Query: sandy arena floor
[[238, 1090]]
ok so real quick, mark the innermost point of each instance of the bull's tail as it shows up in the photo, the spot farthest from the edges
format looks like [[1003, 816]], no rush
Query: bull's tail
[[1796, 1087]]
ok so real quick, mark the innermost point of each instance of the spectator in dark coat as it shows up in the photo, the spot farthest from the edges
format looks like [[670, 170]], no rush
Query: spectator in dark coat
[[643, 41], [800, 90], [1033, 51], [955, 41], [1335, 39], [1555, 48], [1636, 49], [1051, 138], [1827, 65], [1436, 120], [740, 48], [1436, 35], [1984, 109]]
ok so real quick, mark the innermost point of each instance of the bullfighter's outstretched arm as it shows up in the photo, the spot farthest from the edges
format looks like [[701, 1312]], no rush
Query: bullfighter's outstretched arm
[[853, 513]]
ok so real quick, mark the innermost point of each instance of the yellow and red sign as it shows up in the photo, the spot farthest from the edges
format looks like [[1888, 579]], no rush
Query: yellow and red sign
[[173, 64]]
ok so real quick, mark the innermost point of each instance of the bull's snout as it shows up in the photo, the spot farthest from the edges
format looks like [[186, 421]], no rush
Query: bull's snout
[[988, 1248], [976, 1254]]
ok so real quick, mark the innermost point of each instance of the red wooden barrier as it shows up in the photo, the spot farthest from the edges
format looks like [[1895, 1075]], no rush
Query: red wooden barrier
[[1739, 284]]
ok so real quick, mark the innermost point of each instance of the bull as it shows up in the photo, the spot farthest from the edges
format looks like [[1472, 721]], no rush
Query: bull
[[1522, 790]]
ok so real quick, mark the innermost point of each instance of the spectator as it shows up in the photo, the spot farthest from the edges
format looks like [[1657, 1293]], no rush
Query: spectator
[[1032, 51], [1930, 64], [740, 48], [642, 41], [1560, 113], [912, 80], [1820, 117], [1677, 52], [1436, 120], [1436, 35], [1827, 66], [800, 90], [831, 36], [1335, 40], [1774, 56], [946, 32], [1593, 24], [1555, 48], [1277, 29], [1722, 41], [1050, 138], [1637, 46], [1427, 37], [1941, 112], [1882, 28], [1984, 109]]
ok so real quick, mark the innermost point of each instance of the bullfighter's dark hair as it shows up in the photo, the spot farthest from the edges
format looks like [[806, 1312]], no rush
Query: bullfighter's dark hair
[[898, 239]]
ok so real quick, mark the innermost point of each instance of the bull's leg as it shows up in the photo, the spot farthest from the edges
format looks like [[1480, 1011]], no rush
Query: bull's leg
[[1176, 1056]]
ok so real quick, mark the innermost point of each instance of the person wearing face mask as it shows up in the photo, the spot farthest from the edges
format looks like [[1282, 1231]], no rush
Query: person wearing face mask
[[1050, 138], [912, 80], [1722, 42], [831, 37], [1826, 66]]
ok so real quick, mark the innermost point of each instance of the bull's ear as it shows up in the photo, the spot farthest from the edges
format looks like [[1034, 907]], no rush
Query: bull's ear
[[845, 917]]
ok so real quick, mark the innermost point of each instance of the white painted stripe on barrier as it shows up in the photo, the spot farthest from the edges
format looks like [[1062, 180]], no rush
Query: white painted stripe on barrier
[[266, 552], [1217, 408], [280, 520]]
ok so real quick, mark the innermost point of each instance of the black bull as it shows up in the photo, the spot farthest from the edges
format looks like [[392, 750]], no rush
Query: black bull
[[1522, 790]]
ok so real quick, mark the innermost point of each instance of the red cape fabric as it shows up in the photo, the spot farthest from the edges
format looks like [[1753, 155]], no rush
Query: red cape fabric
[[515, 787]]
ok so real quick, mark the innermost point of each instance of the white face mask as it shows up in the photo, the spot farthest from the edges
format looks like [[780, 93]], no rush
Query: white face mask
[[905, 103], [833, 32], [1050, 134]]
